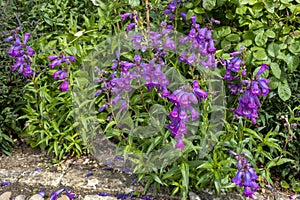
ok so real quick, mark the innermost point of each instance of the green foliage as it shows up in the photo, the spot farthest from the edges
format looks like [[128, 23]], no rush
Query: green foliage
[[269, 32], [11, 94]]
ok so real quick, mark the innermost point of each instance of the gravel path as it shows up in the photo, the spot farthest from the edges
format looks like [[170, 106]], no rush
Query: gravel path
[[30, 171]]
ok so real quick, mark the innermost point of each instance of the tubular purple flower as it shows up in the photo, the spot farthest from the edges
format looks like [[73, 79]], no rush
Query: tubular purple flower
[[193, 99], [215, 21], [255, 89], [264, 86], [238, 178], [194, 113], [191, 59], [55, 63], [170, 44], [102, 107], [5, 183], [183, 15], [233, 153], [263, 68], [172, 5], [55, 194], [252, 173], [247, 179], [64, 86], [130, 26], [125, 16], [174, 113], [42, 193], [233, 54], [26, 37], [248, 192], [30, 51], [72, 58], [53, 57], [179, 144], [70, 195], [211, 47], [28, 71], [10, 38], [183, 116], [200, 93]]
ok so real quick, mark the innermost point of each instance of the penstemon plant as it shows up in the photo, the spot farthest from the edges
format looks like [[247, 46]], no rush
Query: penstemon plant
[[156, 98]]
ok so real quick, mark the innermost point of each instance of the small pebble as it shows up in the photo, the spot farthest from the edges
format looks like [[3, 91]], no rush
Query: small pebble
[[5, 196], [36, 197], [20, 197]]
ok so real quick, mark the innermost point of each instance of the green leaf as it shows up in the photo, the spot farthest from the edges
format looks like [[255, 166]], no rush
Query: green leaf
[[233, 38], [276, 162], [223, 31], [274, 83], [260, 39], [292, 62], [241, 10], [284, 91], [157, 179], [260, 54], [269, 33], [284, 184], [273, 50], [276, 71], [199, 10], [185, 178], [55, 145], [209, 4], [134, 3]]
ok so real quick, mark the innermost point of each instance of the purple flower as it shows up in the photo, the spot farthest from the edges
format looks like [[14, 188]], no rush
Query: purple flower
[[264, 86], [179, 144], [246, 176], [42, 193], [198, 92], [64, 86], [248, 192], [263, 68], [70, 195], [215, 21], [126, 15], [130, 26], [54, 195], [60, 74], [88, 175], [58, 60], [104, 194], [5, 183], [238, 178]]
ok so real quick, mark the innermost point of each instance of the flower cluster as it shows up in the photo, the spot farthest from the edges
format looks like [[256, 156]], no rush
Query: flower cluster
[[118, 83], [250, 90], [202, 49], [61, 74], [246, 175], [22, 52], [134, 19], [184, 98], [171, 8], [249, 102]]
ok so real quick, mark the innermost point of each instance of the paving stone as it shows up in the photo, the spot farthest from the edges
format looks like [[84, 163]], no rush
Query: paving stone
[[5, 196], [97, 197], [20, 197], [36, 197]]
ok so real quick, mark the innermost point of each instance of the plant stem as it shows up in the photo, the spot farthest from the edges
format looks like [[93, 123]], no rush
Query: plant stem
[[147, 15]]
